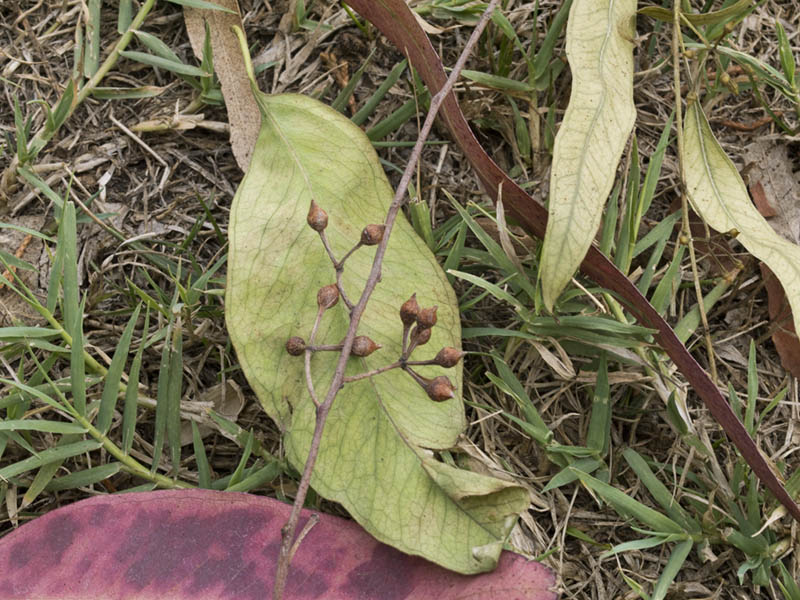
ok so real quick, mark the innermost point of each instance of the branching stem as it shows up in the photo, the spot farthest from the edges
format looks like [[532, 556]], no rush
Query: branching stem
[[288, 530]]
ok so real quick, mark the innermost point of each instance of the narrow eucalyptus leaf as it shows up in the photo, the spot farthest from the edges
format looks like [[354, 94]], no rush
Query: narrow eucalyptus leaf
[[591, 139]]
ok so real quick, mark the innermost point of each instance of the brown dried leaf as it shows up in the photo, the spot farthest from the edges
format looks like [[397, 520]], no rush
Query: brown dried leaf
[[784, 337], [775, 191], [243, 114]]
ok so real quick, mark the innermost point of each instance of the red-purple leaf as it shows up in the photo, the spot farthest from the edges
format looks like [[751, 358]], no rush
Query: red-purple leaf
[[202, 544], [396, 21]]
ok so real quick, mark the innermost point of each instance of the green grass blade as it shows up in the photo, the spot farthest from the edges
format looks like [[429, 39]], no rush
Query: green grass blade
[[257, 479], [162, 399], [663, 292], [653, 173], [178, 68], [627, 506], [659, 491], [124, 16], [46, 473], [599, 434], [91, 59], [108, 401], [41, 425], [567, 475], [174, 397], [627, 234], [610, 222], [397, 119], [132, 392], [47, 456], [341, 100], [248, 449], [201, 459], [84, 478], [671, 569], [369, 106], [73, 316], [508, 383]]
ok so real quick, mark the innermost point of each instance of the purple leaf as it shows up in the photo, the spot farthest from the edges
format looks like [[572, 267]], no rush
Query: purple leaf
[[202, 544]]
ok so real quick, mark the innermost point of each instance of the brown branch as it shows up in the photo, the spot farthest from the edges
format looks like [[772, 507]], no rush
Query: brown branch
[[288, 530]]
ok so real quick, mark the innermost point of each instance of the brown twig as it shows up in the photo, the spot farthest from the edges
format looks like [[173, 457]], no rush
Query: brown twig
[[288, 530]]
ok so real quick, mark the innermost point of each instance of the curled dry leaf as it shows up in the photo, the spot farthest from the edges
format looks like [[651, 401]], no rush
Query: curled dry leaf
[[209, 545], [592, 136], [718, 194], [229, 67], [784, 337]]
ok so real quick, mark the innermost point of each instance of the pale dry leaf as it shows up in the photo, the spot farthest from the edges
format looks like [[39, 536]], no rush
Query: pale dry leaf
[[243, 114], [718, 194], [592, 136]]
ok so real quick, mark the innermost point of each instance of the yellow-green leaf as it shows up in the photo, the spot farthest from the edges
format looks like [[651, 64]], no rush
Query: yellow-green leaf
[[374, 456], [591, 139], [718, 194]]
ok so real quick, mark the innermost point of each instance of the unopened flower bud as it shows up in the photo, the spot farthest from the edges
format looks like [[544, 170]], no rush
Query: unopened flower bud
[[440, 389], [421, 336], [295, 346], [372, 234], [448, 357], [364, 346], [327, 296], [409, 311], [317, 218], [427, 317]]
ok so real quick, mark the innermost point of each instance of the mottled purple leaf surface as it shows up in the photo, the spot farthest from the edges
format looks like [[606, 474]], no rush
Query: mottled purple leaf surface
[[202, 544]]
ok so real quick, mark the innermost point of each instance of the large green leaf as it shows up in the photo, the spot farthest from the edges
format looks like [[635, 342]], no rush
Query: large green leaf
[[589, 144], [718, 194], [375, 456]]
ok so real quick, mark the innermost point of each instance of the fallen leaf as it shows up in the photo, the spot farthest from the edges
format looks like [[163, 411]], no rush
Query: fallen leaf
[[243, 114], [718, 194], [208, 545], [784, 337], [592, 136], [374, 456]]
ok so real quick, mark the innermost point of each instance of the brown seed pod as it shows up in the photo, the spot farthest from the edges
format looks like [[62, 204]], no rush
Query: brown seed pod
[[440, 389], [364, 346], [295, 346], [421, 335], [409, 311], [372, 235], [327, 296], [427, 317], [317, 218], [448, 357]]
